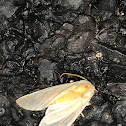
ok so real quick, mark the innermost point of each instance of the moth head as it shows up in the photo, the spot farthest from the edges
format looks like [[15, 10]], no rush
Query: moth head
[[87, 90]]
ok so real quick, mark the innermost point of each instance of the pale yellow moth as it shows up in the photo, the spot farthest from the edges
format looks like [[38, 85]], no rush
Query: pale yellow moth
[[65, 102]]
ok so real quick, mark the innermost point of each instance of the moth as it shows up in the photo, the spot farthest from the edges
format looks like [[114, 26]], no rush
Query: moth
[[65, 102]]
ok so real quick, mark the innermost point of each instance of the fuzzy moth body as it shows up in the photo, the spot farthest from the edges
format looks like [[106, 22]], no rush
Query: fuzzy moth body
[[65, 102]]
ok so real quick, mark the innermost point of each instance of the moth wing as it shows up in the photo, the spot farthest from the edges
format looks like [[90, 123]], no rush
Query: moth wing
[[63, 114], [42, 99], [71, 118]]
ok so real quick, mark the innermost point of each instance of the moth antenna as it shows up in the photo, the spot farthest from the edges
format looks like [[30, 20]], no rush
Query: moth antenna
[[73, 75]]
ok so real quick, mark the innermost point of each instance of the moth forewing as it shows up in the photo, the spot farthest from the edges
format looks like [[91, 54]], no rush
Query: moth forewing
[[42, 99]]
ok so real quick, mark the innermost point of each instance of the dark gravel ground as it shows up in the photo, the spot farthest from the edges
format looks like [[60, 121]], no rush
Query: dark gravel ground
[[41, 39]]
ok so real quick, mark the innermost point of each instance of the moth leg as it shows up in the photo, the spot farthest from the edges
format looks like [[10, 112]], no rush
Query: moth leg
[[71, 81], [82, 115], [96, 90], [88, 103]]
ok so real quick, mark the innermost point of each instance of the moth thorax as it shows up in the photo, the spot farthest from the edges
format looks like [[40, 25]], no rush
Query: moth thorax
[[88, 93]]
